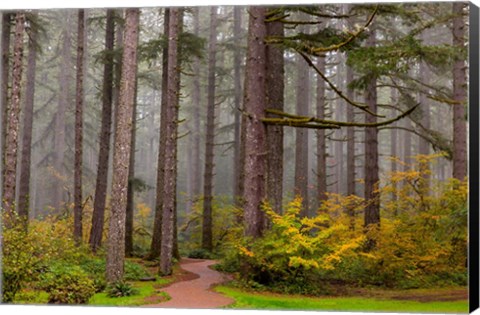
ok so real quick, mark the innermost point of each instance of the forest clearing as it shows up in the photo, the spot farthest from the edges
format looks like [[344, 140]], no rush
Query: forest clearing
[[300, 157]]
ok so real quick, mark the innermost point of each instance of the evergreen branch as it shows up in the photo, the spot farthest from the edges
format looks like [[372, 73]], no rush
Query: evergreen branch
[[305, 120], [444, 100], [323, 15], [296, 123], [351, 38], [363, 107]]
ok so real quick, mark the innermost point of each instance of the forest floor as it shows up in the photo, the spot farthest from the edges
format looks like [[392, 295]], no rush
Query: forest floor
[[193, 284], [194, 288]]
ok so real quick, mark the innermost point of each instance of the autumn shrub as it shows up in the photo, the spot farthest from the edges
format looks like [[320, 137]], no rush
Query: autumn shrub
[[421, 240], [293, 253], [67, 284]]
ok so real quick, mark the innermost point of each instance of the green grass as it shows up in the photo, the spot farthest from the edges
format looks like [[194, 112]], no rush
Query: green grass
[[249, 300], [145, 289]]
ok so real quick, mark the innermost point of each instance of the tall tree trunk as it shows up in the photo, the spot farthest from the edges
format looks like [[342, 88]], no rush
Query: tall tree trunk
[[350, 139], [175, 250], [372, 210], [131, 180], [196, 96], [77, 210], [63, 99], [98, 216], [321, 143], [121, 154], [237, 160], [171, 114], [394, 152], [13, 117], [155, 247], [237, 28], [6, 28], [350, 117], [275, 86], [459, 95], [25, 164], [210, 136], [301, 134], [338, 134], [407, 144], [255, 140]]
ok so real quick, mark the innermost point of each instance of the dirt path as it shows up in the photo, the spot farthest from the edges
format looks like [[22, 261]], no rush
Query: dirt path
[[196, 293]]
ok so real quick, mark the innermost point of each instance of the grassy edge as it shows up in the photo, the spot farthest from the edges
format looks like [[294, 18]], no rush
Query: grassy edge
[[256, 300]]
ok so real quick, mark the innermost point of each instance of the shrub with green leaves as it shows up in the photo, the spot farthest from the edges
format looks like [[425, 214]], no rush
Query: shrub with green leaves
[[27, 253], [67, 284], [200, 253], [134, 271], [121, 288]]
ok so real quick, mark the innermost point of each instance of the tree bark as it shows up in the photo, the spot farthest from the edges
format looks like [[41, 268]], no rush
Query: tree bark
[[255, 140], [407, 144], [394, 153], [170, 176], [196, 95], [275, 86], [63, 101], [321, 143], [372, 210], [210, 136], [98, 216], [350, 117], [156, 245], [25, 164], [350, 138], [121, 154], [13, 117], [301, 134], [5, 76], [237, 160], [77, 210], [459, 95], [131, 178]]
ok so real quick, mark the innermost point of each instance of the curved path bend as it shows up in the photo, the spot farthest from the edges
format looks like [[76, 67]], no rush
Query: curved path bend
[[196, 293]]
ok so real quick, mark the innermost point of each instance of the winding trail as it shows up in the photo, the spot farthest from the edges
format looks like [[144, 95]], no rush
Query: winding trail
[[196, 293]]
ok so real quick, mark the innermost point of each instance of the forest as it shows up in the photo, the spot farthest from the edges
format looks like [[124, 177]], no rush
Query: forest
[[304, 150]]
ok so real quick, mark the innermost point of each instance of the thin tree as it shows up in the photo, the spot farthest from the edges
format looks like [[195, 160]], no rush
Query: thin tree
[[237, 160], [98, 216], [64, 77], [11, 143], [350, 117], [25, 164], [194, 168], [156, 245], [210, 136], [321, 143], [77, 210], [121, 153], [5, 75], [275, 85], [255, 140], [170, 176], [131, 182], [301, 134], [372, 210], [459, 96], [350, 138]]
